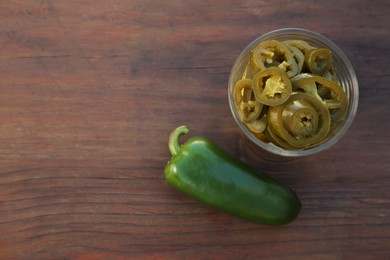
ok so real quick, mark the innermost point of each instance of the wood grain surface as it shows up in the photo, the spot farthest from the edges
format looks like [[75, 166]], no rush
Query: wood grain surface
[[90, 91]]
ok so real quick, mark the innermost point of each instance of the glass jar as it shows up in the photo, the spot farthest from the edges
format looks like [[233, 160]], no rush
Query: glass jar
[[342, 68]]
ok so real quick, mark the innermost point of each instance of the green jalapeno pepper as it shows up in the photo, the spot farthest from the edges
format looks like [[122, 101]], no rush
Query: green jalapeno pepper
[[202, 170], [272, 86]]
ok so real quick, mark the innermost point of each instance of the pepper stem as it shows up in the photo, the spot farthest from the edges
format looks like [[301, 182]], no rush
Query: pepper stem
[[173, 144]]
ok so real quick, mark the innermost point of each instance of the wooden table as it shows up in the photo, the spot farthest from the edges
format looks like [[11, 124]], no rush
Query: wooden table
[[90, 91]]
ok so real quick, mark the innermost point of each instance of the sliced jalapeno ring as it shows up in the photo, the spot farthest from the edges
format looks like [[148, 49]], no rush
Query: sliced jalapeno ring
[[273, 53], [303, 82], [272, 86], [319, 61], [298, 57], [301, 45], [245, 102], [258, 125], [302, 121], [327, 91], [276, 140]]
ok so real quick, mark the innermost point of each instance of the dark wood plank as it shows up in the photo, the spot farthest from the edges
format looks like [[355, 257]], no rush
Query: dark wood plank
[[90, 91]]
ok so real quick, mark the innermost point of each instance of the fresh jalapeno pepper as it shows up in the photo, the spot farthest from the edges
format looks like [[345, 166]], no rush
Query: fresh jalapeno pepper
[[272, 86], [202, 170], [327, 91], [302, 121], [247, 106], [273, 53]]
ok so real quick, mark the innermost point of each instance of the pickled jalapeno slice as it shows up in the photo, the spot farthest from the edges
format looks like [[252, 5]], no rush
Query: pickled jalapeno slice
[[273, 53], [258, 125], [298, 56], [327, 91], [301, 45], [302, 121], [319, 61], [272, 86], [245, 102]]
